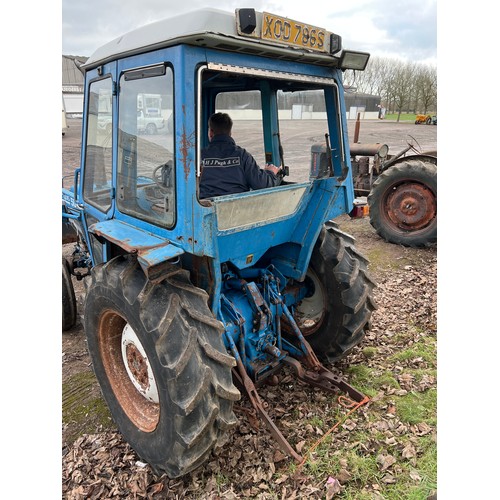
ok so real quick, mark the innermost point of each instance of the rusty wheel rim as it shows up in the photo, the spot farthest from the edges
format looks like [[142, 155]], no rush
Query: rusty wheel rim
[[410, 206], [129, 371]]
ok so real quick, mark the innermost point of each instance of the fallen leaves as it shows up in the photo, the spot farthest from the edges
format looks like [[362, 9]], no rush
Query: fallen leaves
[[251, 465], [332, 487], [385, 461]]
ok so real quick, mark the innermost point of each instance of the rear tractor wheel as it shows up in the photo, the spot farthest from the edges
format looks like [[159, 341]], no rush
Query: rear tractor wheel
[[403, 204], [158, 355], [335, 314]]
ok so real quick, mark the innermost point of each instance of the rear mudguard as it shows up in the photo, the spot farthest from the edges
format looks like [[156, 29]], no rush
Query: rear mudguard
[[430, 157]]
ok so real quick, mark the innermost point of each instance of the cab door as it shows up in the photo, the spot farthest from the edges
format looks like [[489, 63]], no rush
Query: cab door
[[98, 157]]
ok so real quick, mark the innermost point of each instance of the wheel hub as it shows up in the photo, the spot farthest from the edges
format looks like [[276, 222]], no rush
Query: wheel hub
[[411, 206], [309, 314], [137, 365]]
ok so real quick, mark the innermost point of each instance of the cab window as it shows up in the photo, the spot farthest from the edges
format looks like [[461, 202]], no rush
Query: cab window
[[98, 148], [245, 109], [279, 121], [145, 170]]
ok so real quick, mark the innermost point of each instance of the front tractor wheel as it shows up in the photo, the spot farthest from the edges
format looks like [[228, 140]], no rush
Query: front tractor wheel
[[335, 314], [158, 355], [403, 204]]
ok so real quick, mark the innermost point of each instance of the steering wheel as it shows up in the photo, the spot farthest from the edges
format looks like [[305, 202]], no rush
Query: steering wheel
[[282, 173], [411, 145], [162, 175]]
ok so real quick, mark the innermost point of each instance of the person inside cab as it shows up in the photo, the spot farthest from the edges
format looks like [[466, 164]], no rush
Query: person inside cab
[[228, 168]]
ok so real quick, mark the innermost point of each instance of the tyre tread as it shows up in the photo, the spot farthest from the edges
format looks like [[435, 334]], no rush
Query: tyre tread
[[337, 261], [197, 379]]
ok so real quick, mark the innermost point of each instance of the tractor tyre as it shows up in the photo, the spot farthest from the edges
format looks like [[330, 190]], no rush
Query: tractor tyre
[[335, 314], [403, 204], [69, 309], [158, 354], [428, 120]]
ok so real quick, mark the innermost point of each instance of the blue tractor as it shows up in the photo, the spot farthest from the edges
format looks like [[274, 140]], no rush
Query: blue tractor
[[190, 301]]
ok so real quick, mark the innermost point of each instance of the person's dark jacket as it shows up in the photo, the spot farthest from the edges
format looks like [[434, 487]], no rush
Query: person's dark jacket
[[229, 169]]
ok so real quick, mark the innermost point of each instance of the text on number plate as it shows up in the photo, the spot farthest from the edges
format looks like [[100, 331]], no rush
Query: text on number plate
[[280, 29]]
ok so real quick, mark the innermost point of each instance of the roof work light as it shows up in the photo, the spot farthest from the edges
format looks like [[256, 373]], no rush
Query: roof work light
[[351, 59]]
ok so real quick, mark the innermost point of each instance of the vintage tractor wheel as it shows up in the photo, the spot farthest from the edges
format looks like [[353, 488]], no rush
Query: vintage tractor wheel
[[158, 355], [336, 312], [68, 298], [403, 204]]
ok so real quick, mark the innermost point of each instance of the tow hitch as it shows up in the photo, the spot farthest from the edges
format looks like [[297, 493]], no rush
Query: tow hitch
[[308, 369], [320, 377]]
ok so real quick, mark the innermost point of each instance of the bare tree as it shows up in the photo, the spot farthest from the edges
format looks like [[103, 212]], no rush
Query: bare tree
[[402, 86], [426, 83]]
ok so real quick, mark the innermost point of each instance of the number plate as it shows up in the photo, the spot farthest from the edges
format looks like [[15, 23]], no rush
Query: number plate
[[284, 30]]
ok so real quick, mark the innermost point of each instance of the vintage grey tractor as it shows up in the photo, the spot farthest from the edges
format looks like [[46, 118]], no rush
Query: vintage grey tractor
[[401, 191]]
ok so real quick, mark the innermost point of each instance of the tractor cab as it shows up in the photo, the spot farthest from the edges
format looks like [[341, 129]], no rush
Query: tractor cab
[[280, 81], [188, 295]]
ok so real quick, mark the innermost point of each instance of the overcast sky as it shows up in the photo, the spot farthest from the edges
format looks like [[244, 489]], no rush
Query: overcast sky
[[404, 29]]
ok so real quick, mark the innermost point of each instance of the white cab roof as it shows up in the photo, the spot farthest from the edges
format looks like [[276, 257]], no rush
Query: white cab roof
[[205, 27]]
